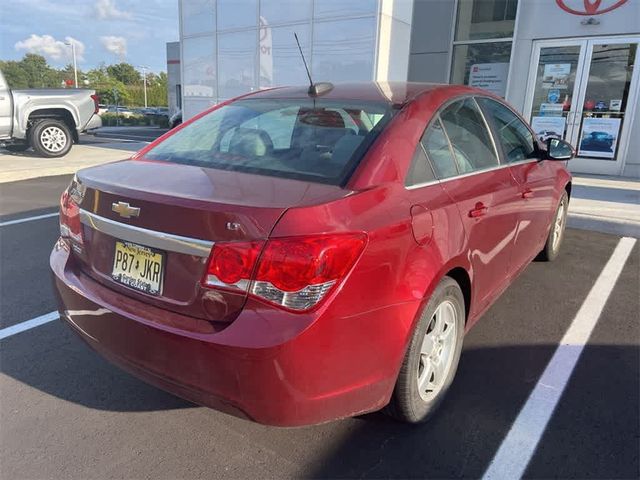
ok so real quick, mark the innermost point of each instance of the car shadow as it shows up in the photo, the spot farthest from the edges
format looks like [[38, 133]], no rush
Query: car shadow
[[27, 153], [584, 438], [460, 441], [53, 360]]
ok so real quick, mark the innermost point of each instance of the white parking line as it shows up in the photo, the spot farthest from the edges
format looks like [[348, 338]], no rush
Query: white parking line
[[28, 325], [517, 448], [28, 219]]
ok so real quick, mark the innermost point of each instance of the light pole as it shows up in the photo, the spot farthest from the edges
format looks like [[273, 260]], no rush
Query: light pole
[[144, 79], [75, 65]]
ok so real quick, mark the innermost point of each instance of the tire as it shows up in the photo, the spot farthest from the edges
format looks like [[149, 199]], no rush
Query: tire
[[50, 137], [17, 147], [412, 404], [556, 231]]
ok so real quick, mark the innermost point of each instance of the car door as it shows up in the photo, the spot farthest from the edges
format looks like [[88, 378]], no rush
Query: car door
[[534, 176], [484, 193], [6, 108]]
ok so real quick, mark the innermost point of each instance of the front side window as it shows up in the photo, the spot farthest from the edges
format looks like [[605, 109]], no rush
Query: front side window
[[514, 136], [470, 139], [310, 139]]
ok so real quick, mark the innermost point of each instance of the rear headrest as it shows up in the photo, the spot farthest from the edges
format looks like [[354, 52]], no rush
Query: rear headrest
[[250, 142], [321, 118]]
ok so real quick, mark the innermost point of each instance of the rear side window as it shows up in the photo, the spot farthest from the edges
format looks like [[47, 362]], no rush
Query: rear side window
[[420, 171], [470, 139], [308, 139], [436, 145], [514, 136]]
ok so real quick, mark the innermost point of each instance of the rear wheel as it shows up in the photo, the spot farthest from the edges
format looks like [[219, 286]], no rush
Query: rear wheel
[[556, 233], [50, 137], [432, 358]]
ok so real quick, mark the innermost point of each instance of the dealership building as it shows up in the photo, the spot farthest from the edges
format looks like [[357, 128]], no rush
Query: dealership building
[[570, 66]]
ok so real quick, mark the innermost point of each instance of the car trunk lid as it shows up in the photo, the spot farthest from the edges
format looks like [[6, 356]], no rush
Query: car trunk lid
[[171, 215]]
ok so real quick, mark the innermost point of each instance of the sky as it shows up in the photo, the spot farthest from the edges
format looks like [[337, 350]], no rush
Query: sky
[[110, 31]]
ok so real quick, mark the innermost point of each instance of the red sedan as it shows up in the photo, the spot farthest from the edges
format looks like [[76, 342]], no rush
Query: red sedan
[[299, 255]]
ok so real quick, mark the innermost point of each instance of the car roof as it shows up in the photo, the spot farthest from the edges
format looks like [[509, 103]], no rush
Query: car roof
[[396, 93]]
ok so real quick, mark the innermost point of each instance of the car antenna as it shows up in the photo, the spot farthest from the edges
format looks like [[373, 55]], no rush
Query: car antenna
[[315, 89]]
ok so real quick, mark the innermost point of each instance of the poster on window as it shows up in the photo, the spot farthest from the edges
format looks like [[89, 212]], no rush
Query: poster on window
[[551, 109], [556, 76], [599, 137], [548, 127], [490, 76]]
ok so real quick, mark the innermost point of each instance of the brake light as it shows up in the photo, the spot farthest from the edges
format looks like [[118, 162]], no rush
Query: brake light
[[231, 264], [96, 103], [70, 226], [294, 272]]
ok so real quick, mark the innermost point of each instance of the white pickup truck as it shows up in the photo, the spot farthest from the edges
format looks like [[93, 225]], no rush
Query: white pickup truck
[[49, 120]]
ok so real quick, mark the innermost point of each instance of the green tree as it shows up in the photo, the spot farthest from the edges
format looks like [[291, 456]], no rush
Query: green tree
[[14, 74], [67, 75], [32, 71], [104, 85], [125, 73]]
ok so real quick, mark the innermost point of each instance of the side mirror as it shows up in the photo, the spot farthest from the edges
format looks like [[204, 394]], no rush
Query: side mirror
[[559, 150]]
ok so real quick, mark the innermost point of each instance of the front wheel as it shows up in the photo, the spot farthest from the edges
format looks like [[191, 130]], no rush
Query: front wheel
[[432, 358], [556, 233], [50, 138]]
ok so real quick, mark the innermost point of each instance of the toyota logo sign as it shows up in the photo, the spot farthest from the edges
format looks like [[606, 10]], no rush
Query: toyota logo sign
[[589, 7]]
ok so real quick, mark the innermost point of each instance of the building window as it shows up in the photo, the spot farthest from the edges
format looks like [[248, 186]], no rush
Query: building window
[[232, 47], [482, 45], [483, 19]]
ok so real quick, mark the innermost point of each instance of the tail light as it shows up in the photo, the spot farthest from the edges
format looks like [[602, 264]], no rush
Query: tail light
[[96, 103], [294, 272], [70, 226]]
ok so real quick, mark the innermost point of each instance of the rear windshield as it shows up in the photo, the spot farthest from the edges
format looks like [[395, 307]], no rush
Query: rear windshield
[[305, 139]]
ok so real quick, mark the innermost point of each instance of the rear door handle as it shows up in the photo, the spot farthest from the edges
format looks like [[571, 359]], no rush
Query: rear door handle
[[528, 193], [478, 211]]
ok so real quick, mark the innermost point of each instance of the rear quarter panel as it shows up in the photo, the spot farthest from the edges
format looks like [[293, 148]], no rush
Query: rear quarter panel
[[77, 102], [366, 324]]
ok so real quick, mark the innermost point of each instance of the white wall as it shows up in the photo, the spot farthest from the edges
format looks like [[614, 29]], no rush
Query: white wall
[[394, 38], [173, 75]]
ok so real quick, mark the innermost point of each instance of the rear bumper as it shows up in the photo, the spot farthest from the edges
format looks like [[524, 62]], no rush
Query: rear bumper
[[257, 368], [94, 122]]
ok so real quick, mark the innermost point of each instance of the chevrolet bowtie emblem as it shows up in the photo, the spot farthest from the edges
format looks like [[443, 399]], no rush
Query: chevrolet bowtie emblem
[[125, 210]]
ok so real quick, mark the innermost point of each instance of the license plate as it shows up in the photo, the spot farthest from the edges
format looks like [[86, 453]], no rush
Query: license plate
[[138, 267]]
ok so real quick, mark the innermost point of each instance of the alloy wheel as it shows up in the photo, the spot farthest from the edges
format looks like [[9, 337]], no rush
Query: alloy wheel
[[558, 225], [54, 139], [437, 351]]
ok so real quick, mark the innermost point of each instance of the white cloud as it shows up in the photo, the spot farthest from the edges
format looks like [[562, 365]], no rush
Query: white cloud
[[51, 48], [107, 10], [115, 45]]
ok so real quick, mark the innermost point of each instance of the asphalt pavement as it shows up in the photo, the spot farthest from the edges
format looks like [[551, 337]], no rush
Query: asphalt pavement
[[67, 413], [138, 134]]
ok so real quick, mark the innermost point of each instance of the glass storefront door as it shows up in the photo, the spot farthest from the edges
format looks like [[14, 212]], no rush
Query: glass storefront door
[[584, 91]]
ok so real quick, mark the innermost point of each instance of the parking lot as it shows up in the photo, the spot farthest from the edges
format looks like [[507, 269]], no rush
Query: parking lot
[[67, 413]]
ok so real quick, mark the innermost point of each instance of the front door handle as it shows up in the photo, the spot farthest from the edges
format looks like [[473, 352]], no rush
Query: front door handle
[[528, 193], [478, 211]]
